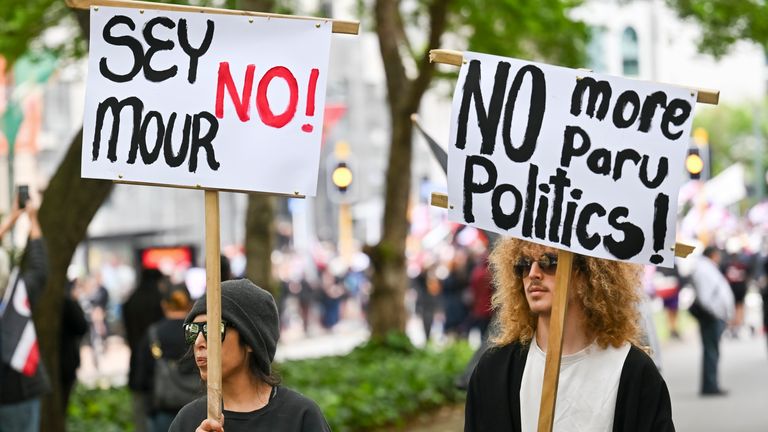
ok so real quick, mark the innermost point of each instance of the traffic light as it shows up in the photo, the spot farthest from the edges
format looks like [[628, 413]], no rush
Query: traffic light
[[697, 162], [341, 177], [694, 164]]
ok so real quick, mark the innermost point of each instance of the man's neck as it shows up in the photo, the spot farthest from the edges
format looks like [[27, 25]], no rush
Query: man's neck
[[575, 337]]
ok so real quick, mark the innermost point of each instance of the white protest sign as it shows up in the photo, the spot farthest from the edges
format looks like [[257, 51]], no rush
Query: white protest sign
[[205, 100], [571, 159]]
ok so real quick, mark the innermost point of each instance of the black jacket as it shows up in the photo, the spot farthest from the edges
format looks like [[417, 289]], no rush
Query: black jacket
[[493, 398], [15, 387]]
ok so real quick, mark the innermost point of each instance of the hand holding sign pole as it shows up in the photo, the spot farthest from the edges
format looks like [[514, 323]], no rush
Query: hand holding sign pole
[[168, 103], [581, 162]]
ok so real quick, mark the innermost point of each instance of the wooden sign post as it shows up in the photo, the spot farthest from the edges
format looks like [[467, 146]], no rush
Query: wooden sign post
[[186, 75], [498, 181], [555, 342], [213, 301]]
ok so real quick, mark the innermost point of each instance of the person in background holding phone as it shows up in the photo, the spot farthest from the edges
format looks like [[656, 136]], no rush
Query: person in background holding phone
[[606, 381], [21, 390], [22, 196]]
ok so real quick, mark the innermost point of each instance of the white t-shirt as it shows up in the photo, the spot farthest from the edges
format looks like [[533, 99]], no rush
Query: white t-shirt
[[586, 394]]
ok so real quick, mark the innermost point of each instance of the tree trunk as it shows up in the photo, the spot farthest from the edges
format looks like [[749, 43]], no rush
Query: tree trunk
[[260, 240], [387, 306], [260, 217], [69, 204]]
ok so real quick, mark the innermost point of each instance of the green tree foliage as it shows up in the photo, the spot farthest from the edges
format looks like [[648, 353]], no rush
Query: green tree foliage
[[539, 30], [535, 30], [726, 21], [731, 130], [21, 24]]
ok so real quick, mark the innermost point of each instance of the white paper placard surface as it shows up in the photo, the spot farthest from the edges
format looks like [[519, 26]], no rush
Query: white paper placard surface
[[205, 100], [567, 158]]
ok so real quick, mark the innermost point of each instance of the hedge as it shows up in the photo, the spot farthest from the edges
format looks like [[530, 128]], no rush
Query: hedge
[[377, 384]]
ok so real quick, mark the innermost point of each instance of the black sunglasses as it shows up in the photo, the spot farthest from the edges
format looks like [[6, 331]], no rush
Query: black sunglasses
[[547, 263], [191, 330]]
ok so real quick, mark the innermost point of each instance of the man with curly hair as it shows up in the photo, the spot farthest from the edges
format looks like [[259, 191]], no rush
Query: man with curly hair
[[607, 383]]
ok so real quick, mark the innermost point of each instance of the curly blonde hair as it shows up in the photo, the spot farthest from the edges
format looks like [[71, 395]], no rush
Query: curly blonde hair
[[607, 290]]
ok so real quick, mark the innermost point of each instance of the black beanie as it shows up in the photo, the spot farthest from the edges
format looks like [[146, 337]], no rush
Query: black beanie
[[253, 312]]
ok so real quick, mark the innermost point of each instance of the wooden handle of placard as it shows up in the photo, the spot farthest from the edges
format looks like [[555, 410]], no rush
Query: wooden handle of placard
[[440, 199], [338, 26], [555, 342], [213, 300], [456, 58]]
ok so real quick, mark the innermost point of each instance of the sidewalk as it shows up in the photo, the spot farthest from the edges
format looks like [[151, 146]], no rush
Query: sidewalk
[[743, 372]]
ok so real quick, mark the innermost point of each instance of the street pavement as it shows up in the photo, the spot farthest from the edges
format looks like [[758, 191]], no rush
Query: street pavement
[[743, 373]]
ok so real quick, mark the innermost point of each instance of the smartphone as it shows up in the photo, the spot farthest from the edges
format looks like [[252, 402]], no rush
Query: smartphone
[[23, 195]]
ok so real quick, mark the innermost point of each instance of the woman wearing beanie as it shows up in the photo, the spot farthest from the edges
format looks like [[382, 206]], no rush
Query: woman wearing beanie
[[253, 398]]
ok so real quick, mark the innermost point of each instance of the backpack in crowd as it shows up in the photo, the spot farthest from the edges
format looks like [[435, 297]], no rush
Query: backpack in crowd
[[172, 387]]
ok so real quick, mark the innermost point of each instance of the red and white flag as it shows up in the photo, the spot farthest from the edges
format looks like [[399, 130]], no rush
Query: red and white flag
[[19, 340]]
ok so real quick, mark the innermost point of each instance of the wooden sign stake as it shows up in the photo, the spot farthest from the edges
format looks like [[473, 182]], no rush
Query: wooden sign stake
[[555, 342], [213, 300], [338, 26], [456, 58]]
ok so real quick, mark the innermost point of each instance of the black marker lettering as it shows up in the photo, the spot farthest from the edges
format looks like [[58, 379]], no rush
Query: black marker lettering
[[631, 98], [503, 220], [116, 107], [599, 161], [177, 159], [470, 187], [559, 182], [133, 44], [661, 172], [535, 113], [156, 45], [205, 142], [594, 89], [621, 157], [677, 113], [587, 241], [569, 150], [661, 209], [530, 200], [194, 53], [633, 236], [488, 122]]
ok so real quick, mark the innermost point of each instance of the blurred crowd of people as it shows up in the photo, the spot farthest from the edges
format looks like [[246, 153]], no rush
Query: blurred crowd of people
[[452, 285]]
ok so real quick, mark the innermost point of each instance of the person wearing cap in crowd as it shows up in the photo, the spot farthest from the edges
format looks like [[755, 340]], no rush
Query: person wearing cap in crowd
[[606, 382], [252, 396]]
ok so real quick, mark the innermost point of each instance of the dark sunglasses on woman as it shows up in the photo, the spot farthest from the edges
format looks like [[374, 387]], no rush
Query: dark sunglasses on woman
[[191, 330]]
